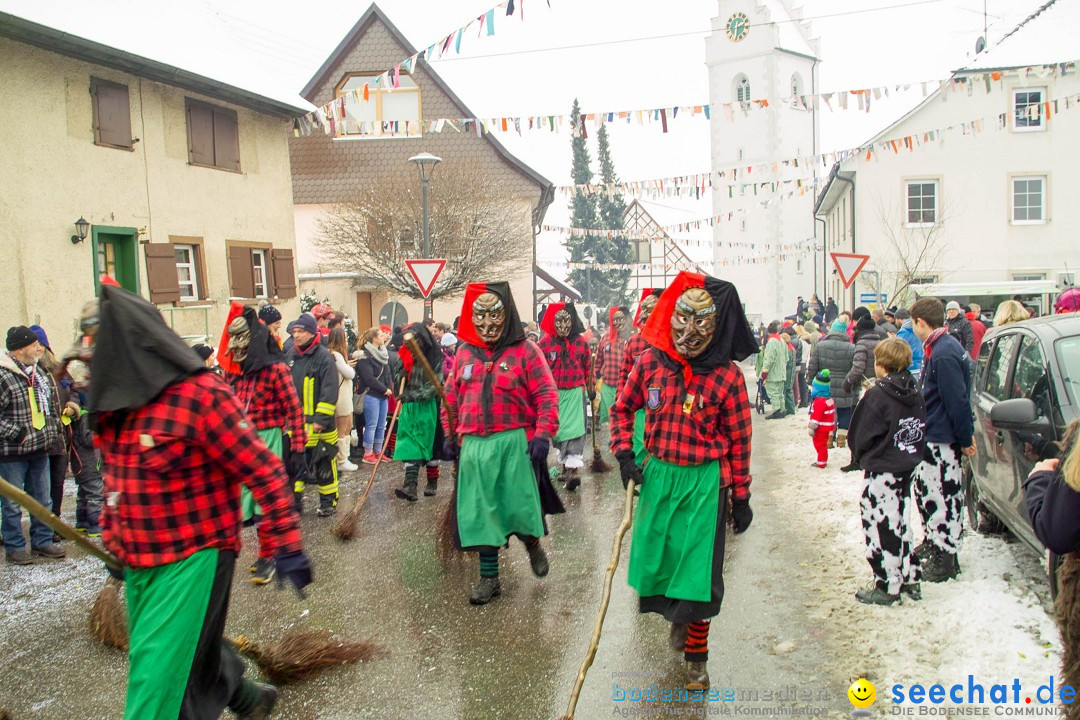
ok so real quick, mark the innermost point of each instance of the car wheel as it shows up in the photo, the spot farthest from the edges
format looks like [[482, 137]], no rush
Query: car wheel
[[980, 518], [1053, 564]]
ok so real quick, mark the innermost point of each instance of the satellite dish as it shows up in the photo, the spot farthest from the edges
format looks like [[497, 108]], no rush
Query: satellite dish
[[980, 45]]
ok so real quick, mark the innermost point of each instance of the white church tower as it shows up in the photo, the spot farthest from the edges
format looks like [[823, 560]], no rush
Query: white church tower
[[763, 50]]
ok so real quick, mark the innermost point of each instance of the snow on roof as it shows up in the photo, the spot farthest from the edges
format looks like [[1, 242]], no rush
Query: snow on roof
[[792, 31], [1045, 37]]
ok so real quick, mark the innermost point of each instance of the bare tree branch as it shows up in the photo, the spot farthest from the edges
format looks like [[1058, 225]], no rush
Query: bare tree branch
[[912, 251], [476, 224]]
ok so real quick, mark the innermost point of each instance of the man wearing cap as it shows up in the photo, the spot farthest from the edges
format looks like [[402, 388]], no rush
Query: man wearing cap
[[315, 376], [959, 326], [29, 425]]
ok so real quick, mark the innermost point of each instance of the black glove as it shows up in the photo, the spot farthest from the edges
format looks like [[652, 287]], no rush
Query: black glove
[[451, 451], [741, 514], [538, 449], [295, 567], [297, 466], [628, 468]]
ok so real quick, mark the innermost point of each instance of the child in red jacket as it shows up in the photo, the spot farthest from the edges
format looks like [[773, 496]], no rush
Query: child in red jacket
[[822, 416]]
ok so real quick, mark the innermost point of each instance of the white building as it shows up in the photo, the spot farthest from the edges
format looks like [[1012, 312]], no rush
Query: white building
[[978, 209], [762, 49]]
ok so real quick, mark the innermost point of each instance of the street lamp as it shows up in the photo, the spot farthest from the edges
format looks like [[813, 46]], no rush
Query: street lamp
[[425, 163], [588, 260]]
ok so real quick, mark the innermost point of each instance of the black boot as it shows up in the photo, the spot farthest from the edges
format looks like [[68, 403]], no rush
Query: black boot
[[487, 589], [263, 706], [432, 481], [874, 595], [298, 502], [850, 467], [912, 590], [573, 480], [408, 490], [327, 505], [537, 559], [940, 566]]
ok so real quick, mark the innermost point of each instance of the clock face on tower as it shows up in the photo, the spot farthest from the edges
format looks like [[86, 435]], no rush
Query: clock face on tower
[[737, 27]]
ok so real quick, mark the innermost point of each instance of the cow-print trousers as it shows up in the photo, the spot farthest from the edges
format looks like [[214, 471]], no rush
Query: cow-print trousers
[[889, 547], [940, 495]]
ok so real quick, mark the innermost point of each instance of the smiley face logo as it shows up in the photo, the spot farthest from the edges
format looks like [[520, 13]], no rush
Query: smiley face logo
[[862, 693]]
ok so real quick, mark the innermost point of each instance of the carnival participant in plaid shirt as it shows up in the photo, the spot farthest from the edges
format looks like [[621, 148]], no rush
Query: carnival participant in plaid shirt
[[635, 346], [609, 358], [177, 447], [506, 404], [420, 438], [315, 377], [264, 388], [567, 355], [697, 435]]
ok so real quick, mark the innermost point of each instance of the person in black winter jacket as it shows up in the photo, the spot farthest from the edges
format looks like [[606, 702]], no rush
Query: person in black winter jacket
[[887, 440], [959, 326], [831, 311], [376, 378]]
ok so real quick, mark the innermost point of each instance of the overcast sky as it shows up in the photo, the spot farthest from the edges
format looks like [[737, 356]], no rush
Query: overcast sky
[[595, 50]]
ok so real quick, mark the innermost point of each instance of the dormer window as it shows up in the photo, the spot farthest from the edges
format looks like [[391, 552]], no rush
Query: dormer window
[[388, 111]]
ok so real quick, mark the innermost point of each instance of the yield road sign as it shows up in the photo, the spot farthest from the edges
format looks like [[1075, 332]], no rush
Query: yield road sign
[[425, 273], [848, 265]]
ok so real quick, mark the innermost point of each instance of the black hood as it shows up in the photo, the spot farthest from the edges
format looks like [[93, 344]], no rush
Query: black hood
[[263, 350], [902, 387], [432, 353], [136, 355], [513, 333]]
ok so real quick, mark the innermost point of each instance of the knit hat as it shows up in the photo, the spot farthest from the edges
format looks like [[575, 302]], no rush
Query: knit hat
[[903, 314], [269, 314], [860, 313], [865, 323], [822, 386], [839, 325], [19, 337], [385, 329], [41, 336], [953, 305], [306, 321]]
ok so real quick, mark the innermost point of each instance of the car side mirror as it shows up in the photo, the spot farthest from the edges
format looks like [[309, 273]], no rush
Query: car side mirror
[[1019, 414]]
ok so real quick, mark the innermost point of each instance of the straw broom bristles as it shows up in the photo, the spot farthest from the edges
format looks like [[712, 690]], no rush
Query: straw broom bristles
[[108, 618], [301, 654]]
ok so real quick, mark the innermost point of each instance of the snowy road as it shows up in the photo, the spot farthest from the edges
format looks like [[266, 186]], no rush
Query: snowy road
[[790, 636]]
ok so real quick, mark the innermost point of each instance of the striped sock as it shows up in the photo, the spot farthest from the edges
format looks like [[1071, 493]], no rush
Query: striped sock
[[390, 443], [697, 642], [532, 543], [432, 472], [489, 563]]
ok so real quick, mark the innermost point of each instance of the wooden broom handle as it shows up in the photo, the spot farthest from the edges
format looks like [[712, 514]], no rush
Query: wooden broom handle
[[418, 356]]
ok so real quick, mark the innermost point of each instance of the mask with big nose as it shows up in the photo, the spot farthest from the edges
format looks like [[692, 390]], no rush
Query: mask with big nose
[[489, 317], [563, 323], [693, 323], [239, 339], [618, 321], [647, 306]]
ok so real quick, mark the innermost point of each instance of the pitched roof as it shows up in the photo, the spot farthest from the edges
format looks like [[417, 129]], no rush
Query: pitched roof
[[562, 288], [375, 14], [65, 43], [1045, 37]]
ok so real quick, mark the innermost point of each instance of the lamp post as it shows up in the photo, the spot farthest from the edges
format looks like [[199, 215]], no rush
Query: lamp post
[[588, 260], [425, 163]]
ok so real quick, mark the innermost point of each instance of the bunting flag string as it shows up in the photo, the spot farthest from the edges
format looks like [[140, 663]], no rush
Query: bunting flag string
[[763, 255], [356, 105]]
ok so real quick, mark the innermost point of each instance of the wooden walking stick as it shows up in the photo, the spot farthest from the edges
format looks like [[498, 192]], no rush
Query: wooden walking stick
[[594, 642], [345, 527], [598, 466]]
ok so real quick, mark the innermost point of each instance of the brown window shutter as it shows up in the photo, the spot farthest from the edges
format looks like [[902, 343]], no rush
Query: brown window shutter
[[226, 140], [161, 273], [241, 272], [112, 113], [284, 272], [200, 133]]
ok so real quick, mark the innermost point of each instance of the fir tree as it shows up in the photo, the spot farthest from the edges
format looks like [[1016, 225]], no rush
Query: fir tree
[[582, 207], [612, 207]]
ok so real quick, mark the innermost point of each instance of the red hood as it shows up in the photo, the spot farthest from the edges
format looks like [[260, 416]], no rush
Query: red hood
[[645, 292], [228, 365]]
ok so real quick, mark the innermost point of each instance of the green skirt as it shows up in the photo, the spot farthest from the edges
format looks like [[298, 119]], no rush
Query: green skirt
[[640, 453], [674, 528], [166, 610], [416, 431], [571, 414], [497, 494], [249, 508], [607, 399]]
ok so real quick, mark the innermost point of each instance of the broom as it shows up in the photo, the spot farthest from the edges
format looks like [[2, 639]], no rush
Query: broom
[[345, 525], [598, 466], [444, 538], [299, 654], [594, 642]]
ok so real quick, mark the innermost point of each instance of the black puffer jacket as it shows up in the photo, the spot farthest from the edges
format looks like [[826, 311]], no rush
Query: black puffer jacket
[[862, 364], [960, 328], [836, 353], [888, 429]]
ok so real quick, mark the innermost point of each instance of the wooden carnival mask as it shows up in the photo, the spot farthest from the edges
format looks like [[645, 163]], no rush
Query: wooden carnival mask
[[647, 306], [563, 323], [239, 339], [619, 321], [489, 317], [693, 323]]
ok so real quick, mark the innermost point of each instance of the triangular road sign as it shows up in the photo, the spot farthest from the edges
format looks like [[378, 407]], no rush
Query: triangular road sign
[[848, 265], [425, 273]]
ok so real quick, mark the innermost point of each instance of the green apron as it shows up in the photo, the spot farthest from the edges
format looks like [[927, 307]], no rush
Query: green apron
[[640, 453], [571, 414], [416, 431], [674, 531], [248, 507], [607, 399], [166, 610], [496, 490]]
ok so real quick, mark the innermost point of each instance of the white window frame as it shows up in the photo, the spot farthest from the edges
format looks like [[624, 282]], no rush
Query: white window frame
[[189, 289], [1045, 180], [907, 202], [1036, 124], [1028, 277], [408, 85], [258, 269]]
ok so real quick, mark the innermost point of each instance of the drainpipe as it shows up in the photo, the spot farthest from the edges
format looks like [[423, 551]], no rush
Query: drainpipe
[[852, 184], [824, 254]]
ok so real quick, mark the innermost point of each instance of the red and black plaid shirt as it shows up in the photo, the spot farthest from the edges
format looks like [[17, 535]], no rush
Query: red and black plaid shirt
[[609, 360], [173, 471], [569, 365], [635, 346], [269, 396], [523, 392], [717, 426]]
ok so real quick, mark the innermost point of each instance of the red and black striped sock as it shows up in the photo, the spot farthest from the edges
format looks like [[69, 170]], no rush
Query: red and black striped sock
[[432, 473], [388, 450], [697, 642]]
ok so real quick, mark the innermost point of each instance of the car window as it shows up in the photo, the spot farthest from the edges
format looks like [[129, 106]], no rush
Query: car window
[[998, 373], [980, 369], [1030, 379], [1068, 357]]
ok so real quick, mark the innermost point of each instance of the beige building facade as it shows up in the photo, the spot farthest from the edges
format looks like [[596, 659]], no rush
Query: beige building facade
[[183, 182]]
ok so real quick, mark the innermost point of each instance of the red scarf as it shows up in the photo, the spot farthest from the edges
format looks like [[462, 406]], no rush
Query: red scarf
[[928, 344]]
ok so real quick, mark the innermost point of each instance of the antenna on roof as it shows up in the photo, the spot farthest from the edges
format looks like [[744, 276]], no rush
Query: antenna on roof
[[980, 45]]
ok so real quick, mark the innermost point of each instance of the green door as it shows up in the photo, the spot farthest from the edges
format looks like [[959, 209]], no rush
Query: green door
[[116, 254]]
